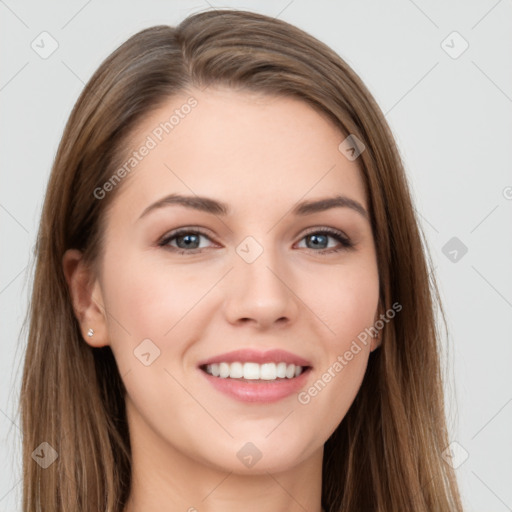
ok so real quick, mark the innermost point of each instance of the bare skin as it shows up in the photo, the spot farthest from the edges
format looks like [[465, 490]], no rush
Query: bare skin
[[306, 293]]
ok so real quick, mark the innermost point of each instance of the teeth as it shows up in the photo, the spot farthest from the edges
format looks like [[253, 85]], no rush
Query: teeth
[[251, 371], [236, 371], [268, 371], [254, 371], [281, 370], [290, 371], [224, 370]]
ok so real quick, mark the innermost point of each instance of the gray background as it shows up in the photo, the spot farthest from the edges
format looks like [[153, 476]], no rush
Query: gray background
[[451, 118]]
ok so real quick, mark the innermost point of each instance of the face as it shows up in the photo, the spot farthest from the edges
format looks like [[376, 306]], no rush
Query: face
[[219, 256]]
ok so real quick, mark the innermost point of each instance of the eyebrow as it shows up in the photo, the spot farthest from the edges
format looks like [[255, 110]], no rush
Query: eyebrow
[[208, 205]]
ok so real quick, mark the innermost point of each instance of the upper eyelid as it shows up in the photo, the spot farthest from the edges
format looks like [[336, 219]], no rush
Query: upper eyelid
[[176, 232], [324, 228]]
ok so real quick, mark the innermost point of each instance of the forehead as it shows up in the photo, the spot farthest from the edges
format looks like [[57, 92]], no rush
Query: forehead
[[242, 147]]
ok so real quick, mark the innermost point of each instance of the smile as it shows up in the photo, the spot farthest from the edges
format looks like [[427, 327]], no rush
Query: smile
[[254, 371]]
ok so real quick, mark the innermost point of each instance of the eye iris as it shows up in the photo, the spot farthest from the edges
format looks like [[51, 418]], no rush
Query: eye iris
[[318, 240], [189, 240]]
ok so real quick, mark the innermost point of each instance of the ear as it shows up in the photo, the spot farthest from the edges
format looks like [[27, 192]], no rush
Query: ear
[[86, 297]]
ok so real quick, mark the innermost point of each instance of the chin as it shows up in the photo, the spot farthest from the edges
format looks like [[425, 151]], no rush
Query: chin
[[259, 455]]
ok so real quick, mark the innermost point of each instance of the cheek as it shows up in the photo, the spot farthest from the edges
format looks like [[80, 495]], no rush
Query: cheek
[[148, 300], [149, 311], [353, 311], [346, 300], [347, 304]]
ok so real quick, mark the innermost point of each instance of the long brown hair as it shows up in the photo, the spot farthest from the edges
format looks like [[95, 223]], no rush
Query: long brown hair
[[386, 453]]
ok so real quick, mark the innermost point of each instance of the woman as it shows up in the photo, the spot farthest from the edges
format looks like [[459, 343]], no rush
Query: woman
[[231, 306]]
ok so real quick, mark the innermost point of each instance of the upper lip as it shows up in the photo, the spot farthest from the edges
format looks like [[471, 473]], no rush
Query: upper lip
[[257, 356]]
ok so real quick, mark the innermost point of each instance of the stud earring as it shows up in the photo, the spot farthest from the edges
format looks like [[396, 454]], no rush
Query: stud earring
[[90, 333]]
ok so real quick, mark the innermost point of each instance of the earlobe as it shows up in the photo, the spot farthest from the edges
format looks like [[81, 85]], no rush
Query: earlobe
[[86, 298]]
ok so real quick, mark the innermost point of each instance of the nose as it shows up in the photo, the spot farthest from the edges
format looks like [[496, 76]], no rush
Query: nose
[[260, 293]]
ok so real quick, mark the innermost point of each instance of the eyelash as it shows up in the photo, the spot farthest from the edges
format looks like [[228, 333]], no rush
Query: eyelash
[[346, 243]]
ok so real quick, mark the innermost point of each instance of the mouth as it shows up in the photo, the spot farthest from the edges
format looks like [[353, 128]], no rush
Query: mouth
[[255, 376], [254, 372]]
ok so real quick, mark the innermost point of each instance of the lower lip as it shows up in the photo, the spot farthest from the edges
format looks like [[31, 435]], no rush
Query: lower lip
[[258, 390]]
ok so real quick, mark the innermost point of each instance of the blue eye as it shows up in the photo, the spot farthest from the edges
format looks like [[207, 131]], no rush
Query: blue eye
[[320, 240], [188, 240]]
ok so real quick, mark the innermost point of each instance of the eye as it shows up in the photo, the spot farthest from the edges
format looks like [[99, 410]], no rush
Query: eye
[[184, 241], [318, 240], [188, 240]]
